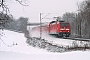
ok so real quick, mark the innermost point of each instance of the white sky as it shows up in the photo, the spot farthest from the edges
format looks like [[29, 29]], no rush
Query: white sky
[[54, 7]]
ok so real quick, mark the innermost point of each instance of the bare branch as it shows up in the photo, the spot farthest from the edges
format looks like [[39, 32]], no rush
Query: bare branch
[[21, 2]]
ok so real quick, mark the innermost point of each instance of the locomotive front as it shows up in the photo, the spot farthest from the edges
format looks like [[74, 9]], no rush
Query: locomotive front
[[63, 29]]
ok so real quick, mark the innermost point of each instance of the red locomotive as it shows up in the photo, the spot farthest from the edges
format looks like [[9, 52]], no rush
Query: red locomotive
[[59, 28]]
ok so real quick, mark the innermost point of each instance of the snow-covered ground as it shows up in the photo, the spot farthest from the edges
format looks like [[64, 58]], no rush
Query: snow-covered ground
[[61, 56], [17, 49], [12, 38]]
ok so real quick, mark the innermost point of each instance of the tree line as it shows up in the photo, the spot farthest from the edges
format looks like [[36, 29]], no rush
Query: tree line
[[18, 25], [80, 21]]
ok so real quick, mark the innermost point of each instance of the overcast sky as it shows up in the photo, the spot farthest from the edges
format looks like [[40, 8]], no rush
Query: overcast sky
[[54, 7]]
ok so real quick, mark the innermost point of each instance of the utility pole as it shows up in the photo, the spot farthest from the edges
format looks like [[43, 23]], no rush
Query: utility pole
[[40, 26], [41, 23]]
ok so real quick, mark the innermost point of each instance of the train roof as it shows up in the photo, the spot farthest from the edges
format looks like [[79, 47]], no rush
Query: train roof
[[61, 21], [56, 21]]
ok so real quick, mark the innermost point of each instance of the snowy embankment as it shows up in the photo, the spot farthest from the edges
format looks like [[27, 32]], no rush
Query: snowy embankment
[[16, 42], [17, 49], [53, 44]]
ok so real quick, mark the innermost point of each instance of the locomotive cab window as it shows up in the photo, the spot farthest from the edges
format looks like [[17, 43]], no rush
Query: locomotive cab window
[[64, 24]]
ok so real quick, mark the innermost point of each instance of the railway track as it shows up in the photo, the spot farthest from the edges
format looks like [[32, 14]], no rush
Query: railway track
[[72, 38], [79, 39]]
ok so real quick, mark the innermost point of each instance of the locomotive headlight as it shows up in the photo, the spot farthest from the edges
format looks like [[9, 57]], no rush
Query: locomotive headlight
[[67, 29], [61, 29]]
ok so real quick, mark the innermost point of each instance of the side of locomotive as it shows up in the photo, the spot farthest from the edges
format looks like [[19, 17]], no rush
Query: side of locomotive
[[59, 28]]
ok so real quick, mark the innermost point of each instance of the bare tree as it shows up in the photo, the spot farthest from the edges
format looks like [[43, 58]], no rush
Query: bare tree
[[84, 18], [4, 17], [4, 10]]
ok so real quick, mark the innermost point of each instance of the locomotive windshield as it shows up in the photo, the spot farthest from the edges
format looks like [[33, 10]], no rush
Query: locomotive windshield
[[64, 24]]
